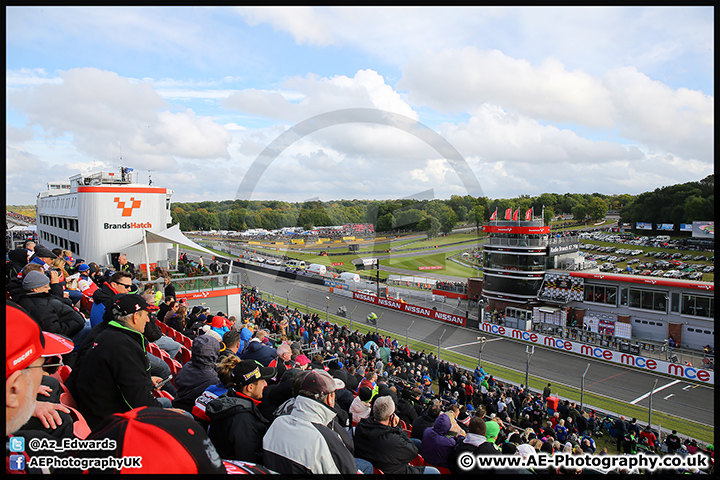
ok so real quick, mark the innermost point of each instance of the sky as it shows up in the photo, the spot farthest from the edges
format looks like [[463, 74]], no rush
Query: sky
[[330, 103]]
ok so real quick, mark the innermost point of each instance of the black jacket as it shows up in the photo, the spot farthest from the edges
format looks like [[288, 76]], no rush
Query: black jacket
[[198, 374], [237, 427], [420, 424], [114, 376], [53, 314], [485, 448], [387, 448]]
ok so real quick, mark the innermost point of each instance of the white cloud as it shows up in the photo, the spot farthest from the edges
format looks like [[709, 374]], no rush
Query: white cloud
[[305, 24], [108, 115], [304, 97]]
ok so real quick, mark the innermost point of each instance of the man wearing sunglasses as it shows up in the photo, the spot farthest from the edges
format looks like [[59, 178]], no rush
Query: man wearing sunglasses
[[27, 351], [120, 282]]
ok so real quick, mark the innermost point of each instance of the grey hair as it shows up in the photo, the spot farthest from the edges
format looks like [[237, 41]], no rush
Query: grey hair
[[383, 408]]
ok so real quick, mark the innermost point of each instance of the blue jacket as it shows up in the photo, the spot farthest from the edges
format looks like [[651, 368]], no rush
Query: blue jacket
[[256, 350]]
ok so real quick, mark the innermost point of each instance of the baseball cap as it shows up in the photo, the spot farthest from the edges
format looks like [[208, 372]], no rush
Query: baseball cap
[[129, 304], [318, 381], [493, 429], [302, 360], [43, 252], [166, 442], [249, 371], [25, 342], [83, 267]]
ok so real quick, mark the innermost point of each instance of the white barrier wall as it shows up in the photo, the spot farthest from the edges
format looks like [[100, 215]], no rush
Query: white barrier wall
[[612, 356]]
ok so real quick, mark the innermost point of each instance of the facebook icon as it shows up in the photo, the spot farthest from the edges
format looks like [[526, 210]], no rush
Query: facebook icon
[[17, 462]]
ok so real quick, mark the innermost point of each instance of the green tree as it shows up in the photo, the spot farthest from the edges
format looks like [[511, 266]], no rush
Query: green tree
[[579, 212], [597, 209], [385, 223]]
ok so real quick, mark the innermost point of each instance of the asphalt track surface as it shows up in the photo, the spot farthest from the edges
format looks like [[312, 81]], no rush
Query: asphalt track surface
[[672, 396]]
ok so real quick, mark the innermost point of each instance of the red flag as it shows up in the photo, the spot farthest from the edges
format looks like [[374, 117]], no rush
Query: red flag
[[508, 214], [494, 215], [515, 215], [528, 214]]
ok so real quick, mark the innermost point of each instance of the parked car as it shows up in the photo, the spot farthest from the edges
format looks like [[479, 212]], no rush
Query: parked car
[[709, 269], [656, 273], [695, 276], [700, 257], [646, 272]]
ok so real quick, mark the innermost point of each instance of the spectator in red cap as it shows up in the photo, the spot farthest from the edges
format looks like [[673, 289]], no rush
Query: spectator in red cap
[[26, 350], [114, 376]]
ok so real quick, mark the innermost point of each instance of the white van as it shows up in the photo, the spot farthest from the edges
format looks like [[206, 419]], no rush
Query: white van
[[349, 277], [316, 268], [295, 264]]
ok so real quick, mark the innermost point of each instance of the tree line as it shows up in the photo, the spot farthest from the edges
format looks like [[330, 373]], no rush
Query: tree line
[[676, 204]]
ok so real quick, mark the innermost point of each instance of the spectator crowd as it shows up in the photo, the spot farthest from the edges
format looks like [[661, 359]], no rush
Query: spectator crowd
[[276, 390]]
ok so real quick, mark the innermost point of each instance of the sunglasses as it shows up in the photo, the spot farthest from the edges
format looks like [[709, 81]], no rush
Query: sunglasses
[[126, 285], [50, 367]]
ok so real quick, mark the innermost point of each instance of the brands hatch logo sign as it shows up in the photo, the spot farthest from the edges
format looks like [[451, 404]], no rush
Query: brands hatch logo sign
[[127, 211]]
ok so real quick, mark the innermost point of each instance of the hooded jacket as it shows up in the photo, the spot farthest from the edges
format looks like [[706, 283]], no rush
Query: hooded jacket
[[237, 427], [301, 442], [437, 448], [198, 374], [52, 313], [387, 448]]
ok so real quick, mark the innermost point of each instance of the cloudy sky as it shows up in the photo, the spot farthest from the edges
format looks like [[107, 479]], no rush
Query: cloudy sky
[[345, 103]]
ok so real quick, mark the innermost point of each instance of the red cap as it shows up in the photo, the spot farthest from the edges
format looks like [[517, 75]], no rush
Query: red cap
[[25, 342], [166, 442]]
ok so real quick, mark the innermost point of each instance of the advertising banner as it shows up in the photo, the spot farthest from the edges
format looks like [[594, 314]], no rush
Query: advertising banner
[[686, 227], [414, 309], [643, 226], [703, 229], [667, 227], [612, 356]]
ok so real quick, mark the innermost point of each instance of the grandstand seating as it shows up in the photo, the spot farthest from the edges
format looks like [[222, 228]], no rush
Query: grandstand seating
[[185, 355]]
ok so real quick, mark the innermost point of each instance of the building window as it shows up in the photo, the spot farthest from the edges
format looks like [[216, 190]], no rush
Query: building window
[[601, 294], [648, 300], [698, 306]]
